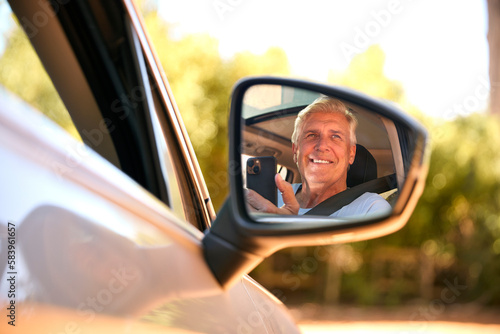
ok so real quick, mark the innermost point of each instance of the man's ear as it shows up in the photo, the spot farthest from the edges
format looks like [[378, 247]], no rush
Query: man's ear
[[352, 154], [294, 150]]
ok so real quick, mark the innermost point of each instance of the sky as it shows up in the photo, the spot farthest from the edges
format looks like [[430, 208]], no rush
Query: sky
[[437, 49]]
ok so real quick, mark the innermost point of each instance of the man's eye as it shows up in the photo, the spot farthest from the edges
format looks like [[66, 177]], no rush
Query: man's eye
[[311, 135]]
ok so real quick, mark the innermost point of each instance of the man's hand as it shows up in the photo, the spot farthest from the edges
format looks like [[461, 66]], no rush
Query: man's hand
[[257, 203]]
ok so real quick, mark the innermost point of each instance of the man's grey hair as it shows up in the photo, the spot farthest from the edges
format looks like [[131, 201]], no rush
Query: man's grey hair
[[325, 104]]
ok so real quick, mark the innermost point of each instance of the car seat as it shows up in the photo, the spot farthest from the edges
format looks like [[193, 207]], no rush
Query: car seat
[[363, 169]]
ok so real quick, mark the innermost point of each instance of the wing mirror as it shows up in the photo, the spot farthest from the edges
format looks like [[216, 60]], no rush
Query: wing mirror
[[312, 164]]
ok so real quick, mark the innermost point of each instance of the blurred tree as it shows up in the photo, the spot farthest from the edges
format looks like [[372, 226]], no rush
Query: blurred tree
[[457, 220], [365, 73], [201, 82], [456, 225]]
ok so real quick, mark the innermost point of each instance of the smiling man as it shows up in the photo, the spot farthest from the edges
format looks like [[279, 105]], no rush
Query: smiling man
[[324, 146]]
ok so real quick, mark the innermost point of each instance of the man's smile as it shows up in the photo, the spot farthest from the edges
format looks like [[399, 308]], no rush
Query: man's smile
[[320, 161]]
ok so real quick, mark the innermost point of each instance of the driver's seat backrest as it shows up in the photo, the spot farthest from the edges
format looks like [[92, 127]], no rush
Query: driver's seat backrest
[[363, 169]]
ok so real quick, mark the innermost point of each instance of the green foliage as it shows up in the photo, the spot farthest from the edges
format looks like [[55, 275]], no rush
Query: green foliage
[[201, 82], [365, 73], [18, 62], [456, 224]]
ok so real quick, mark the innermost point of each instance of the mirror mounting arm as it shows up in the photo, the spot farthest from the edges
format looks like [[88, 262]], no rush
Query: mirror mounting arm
[[228, 261]]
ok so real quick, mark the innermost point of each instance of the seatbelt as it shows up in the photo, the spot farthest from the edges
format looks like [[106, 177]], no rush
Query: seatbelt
[[337, 201]]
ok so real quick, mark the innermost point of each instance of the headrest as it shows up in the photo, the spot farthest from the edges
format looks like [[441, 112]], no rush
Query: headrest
[[363, 169]]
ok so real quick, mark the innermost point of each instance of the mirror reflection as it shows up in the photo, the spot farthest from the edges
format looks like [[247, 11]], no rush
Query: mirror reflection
[[309, 154]]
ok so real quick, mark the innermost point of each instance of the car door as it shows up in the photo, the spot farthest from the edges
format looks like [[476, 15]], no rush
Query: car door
[[105, 234]]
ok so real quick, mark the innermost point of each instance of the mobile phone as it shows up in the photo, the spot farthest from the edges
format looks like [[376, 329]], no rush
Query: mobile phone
[[260, 177]]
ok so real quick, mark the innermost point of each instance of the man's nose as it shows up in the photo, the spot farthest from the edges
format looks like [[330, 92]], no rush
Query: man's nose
[[321, 144]]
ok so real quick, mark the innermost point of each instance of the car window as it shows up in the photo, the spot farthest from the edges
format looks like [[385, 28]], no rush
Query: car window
[[112, 101], [22, 73]]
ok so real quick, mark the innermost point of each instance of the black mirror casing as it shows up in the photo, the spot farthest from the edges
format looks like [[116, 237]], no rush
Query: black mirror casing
[[237, 242]]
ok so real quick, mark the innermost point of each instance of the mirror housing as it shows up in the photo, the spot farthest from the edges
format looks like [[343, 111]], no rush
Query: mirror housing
[[238, 241]]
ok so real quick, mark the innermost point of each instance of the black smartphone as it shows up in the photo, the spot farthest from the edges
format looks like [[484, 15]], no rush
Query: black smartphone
[[260, 177]]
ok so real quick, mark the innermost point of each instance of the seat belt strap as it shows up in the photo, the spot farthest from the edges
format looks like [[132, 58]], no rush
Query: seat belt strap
[[343, 198]]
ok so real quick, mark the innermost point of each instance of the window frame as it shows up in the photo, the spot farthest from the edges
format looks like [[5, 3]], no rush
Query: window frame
[[151, 140]]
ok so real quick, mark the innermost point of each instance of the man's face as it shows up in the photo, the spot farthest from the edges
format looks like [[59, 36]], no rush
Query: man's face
[[323, 150]]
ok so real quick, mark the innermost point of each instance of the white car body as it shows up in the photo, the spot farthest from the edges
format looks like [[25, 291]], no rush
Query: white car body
[[89, 250]]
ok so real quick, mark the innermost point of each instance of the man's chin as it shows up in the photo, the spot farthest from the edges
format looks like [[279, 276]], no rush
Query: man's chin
[[323, 176], [319, 179]]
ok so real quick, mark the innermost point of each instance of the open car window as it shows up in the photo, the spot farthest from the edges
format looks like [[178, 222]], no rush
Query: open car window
[[22, 73], [105, 95]]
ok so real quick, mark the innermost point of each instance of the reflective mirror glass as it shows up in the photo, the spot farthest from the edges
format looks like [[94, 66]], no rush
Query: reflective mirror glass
[[305, 153]]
